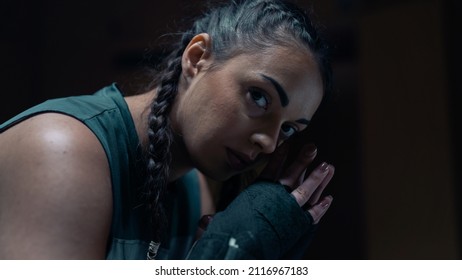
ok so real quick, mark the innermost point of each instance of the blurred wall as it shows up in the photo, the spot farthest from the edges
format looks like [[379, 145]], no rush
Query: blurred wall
[[409, 165]]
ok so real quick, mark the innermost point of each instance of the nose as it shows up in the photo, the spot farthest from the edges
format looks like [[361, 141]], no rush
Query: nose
[[266, 141]]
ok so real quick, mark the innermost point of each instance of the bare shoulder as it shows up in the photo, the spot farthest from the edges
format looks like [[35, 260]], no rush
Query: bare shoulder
[[55, 190]]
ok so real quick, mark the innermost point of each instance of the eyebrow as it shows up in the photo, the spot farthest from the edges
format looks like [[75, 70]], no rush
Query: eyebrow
[[280, 90]]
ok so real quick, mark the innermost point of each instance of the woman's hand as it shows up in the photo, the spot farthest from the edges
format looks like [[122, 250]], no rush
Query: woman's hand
[[307, 191], [265, 221]]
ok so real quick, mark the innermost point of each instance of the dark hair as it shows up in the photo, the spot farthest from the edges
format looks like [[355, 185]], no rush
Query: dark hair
[[234, 27]]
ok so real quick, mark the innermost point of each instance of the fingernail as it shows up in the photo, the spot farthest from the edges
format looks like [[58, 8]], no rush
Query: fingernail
[[310, 150], [326, 203], [324, 167]]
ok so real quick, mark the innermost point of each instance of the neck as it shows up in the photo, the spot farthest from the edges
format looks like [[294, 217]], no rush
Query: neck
[[181, 163], [139, 106]]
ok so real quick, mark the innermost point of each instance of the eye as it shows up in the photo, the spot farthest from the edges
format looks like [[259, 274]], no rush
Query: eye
[[287, 131], [259, 98]]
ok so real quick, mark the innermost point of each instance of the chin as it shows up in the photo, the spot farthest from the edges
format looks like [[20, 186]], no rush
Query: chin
[[217, 175]]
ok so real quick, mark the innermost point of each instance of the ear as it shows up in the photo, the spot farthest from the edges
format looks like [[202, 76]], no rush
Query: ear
[[196, 55]]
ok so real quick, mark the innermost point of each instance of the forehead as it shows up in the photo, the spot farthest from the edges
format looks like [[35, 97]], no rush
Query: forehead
[[295, 69]]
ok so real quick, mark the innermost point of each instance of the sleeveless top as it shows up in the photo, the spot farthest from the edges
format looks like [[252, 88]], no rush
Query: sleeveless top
[[107, 115]]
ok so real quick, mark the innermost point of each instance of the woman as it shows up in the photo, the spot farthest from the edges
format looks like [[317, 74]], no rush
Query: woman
[[243, 80]]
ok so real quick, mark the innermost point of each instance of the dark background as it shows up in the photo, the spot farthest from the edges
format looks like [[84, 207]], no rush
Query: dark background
[[392, 131]]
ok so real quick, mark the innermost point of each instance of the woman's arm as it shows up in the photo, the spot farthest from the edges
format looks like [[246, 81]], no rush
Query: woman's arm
[[55, 191]]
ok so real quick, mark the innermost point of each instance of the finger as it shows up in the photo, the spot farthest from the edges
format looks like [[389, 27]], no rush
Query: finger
[[317, 194], [294, 174], [319, 209], [304, 192], [301, 178], [274, 166]]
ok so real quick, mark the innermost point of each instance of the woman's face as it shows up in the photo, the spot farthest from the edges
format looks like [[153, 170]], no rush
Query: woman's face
[[231, 115]]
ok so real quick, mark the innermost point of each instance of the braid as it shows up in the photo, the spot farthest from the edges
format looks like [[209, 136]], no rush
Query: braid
[[160, 139]]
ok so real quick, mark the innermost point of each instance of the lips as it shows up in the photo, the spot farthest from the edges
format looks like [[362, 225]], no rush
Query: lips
[[238, 161]]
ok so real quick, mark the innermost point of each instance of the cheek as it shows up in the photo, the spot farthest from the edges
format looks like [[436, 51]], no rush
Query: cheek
[[215, 114], [223, 121], [212, 121]]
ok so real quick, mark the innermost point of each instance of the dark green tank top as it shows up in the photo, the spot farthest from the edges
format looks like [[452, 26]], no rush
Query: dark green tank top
[[107, 115]]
